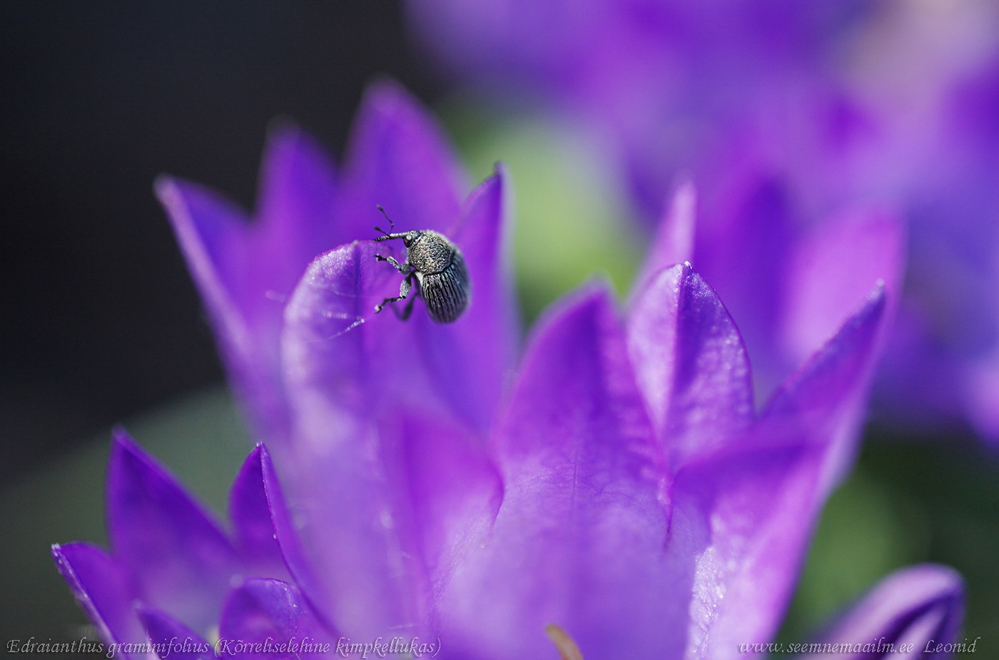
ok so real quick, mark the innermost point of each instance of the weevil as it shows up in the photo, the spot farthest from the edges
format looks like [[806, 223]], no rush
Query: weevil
[[438, 268]]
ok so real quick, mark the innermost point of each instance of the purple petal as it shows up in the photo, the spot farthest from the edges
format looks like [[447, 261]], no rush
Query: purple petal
[[181, 560], [739, 531], [296, 209], [455, 489], [691, 365], [171, 638], [833, 270], [741, 249], [579, 536], [399, 158], [253, 532], [337, 349], [470, 360], [341, 371], [835, 373], [826, 398], [982, 384], [101, 588], [674, 241], [921, 606], [246, 272], [287, 535], [741, 513], [268, 619], [211, 231], [214, 237]]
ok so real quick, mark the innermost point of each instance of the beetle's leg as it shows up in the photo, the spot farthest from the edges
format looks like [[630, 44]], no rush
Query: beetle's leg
[[404, 289], [402, 268], [409, 305]]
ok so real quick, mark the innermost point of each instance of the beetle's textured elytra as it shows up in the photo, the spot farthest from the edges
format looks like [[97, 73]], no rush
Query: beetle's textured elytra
[[439, 270]]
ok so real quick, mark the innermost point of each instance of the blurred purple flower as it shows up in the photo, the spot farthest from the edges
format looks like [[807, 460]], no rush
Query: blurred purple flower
[[667, 83], [945, 357], [789, 117], [625, 488], [173, 574], [920, 607]]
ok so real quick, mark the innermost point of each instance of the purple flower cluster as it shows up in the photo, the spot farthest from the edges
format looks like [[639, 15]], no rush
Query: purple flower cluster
[[612, 489], [793, 119]]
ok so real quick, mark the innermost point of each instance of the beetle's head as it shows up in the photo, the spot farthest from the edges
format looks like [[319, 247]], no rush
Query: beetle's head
[[408, 237]]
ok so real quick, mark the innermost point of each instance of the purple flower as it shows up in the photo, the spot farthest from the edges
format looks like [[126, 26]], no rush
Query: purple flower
[[945, 360], [622, 493], [667, 83], [789, 117], [919, 607], [174, 574]]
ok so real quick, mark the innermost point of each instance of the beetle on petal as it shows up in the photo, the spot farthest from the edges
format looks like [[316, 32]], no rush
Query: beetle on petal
[[438, 268]]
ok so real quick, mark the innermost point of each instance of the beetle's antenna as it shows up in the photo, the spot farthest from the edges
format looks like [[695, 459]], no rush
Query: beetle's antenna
[[391, 224]]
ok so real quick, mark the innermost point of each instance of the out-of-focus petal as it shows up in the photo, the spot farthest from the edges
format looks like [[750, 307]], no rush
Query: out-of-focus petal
[[178, 555], [919, 607], [399, 158], [102, 589], [253, 533], [210, 231], [268, 619], [833, 270], [471, 359], [171, 638], [691, 365], [746, 513], [825, 399], [741, 249], [674, 241], [982, 385], [578, 539], [214, 237], [296, 211]]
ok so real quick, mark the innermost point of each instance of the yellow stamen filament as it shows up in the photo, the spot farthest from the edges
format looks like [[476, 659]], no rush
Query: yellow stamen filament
[[567, 649]]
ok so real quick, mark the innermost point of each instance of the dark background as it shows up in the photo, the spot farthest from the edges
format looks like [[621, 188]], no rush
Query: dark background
[[100, 319]]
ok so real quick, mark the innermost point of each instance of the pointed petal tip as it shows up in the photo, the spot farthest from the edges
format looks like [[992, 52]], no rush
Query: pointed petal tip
[[595, 293], [124, 445], [495, 183], [283, 129], [691, 364], [873, 307], [285, 137], [673, 241], [101, 589], [385, 91], [500, 169], [387, 96], [163, 186], [171, 192], [914, 605]]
